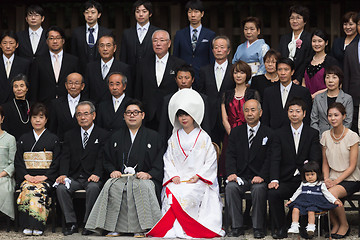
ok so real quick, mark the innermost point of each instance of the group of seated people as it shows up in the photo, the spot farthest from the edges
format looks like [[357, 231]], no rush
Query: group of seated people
[[154, 137]]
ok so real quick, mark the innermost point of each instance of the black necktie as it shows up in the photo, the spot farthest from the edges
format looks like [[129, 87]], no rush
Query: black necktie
[[91, 37], [194, 39]]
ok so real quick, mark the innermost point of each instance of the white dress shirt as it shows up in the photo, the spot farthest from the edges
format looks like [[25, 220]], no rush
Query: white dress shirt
[[117, 101], [198, 31], [160, 65], [35, 38], [72, 103], [88, 131], [11, 59], [141, 31], [95, 32], [105, 70], [255, 128], [222, 69]]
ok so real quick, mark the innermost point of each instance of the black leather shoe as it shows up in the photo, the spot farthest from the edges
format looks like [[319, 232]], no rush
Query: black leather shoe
[[258, 233], [280, 234], [339, 236], [70, 230], [236, 232], [86, 232]]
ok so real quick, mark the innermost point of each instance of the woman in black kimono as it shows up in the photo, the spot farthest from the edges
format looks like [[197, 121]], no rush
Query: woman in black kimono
[[36, 167]]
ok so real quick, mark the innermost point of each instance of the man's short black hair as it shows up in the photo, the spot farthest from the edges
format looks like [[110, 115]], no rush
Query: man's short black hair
[[56, 29], [93, 4], [286, 61], [147, 4], [35, 9], [186, 68], [194, 4], [296, 101], [10, 34], [135, 102]]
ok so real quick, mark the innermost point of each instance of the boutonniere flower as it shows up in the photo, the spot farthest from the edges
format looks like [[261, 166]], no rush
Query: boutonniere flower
[[298, 43]]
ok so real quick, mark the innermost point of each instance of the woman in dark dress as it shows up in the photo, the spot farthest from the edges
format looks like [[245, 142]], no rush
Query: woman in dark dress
[[315, 70], [260, 82], [297, 44], [340, 44], [35, 177], [17, 121], [232, 104]]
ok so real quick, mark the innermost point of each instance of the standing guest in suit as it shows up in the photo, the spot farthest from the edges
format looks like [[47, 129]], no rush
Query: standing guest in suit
[[81, 165], [185, 76], [247, 167], [333, 80], [294, 145], [85, 38], [35, 178], [270, 78], [193, 43], [215, 79], [49, 71], [17, 121], [297, 44], [136, 152], [10, 64], [157, 78], [96, 87], [352, 75], [136, 41], [254, 49], [276, 97], [62, 114], [341, 43], [32, 41], [314, 72], [110, 114]]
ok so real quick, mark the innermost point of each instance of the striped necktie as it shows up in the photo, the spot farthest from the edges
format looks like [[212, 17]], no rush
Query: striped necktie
[[194, 39], [86, 139], [251, 137]]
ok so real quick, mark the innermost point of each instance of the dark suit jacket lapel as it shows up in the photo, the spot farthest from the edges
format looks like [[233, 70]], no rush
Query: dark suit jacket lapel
[[91, 142], [303, 139], [245, 139], [227, 73], [152, 71], [257, 142], [49, 67], [290, 140], [3, 68], [42, 42], [187, 37], [168, 68], [27, 41], [83, 38]]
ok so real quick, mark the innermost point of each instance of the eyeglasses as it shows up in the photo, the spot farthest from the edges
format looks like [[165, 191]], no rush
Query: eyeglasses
[[135, 113], [34, 15], [109, 45], [55, 38], [85, 114]]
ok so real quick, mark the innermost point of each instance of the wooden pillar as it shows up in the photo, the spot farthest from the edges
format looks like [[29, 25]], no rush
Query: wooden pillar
[[335, 21], [20, 18], [274, 27], [175, 16]]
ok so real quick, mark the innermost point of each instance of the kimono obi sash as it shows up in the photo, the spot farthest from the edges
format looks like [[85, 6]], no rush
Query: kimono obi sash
[[38, 160], [254, 67]]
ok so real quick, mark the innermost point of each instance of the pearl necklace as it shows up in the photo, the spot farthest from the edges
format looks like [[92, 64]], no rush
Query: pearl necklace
[[17, 108], [335, 138]]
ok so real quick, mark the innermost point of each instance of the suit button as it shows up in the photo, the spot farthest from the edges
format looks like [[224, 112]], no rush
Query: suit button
[[193, 56]]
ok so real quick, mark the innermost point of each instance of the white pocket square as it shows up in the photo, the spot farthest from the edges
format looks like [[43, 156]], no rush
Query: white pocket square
[[264, 141], [172, 72], [96, 141], [204, 40]]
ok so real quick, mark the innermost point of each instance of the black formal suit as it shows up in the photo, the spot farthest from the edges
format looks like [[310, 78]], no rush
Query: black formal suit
[[19, 65], [301, 54], [338, 51], [60, 120], [351, 83], [25, 49], [132, 51], [149, 92], [107, 118], [274, 114], [165, 126], [145, 154], [81, 49], [247, 163], [43, 85], [79, 164], [96, 87], [284, 163], [207, 85]]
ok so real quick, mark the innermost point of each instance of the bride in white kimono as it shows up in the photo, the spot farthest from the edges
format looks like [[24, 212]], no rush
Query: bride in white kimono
[[191, 205]]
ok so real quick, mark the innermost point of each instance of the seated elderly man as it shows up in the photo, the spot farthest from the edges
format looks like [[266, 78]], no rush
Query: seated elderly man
[[128, 202]]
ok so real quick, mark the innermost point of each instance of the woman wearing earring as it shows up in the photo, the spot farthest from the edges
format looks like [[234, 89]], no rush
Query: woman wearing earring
[[17, 121]]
